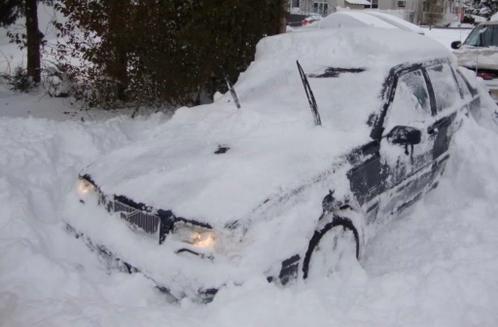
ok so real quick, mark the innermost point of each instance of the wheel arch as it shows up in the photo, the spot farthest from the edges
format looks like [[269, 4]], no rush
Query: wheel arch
[[319, 233]]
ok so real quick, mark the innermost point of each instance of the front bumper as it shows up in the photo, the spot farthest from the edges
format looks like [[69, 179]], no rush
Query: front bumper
[[204, 295], [146, 244], [156, 222], [142, 244]]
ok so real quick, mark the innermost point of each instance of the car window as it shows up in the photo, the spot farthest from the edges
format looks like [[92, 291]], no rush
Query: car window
[[483, 36], [463, 85], [444, 85], [411, 102]]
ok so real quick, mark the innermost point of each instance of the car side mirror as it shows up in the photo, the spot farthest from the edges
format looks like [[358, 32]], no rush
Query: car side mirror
[[404, 135], [456, 45]]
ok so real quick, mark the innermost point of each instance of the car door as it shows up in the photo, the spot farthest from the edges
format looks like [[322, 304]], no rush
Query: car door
[[449, 110], [409, 162], [395, 168]]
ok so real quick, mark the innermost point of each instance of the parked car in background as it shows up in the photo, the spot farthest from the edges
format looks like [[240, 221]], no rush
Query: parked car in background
[[479, 52], [311, 19], [219, 195], [366, 18]]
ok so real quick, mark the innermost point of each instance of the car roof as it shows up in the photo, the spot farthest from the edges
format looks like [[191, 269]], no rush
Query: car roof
[[397, 21], [349, 18], [367, 18]]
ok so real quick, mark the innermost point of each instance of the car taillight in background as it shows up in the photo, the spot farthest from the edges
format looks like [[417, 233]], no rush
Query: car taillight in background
[[487, 74]]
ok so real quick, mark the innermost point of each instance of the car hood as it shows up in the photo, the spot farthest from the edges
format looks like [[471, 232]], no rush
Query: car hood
[[484, 58], [182, 169]]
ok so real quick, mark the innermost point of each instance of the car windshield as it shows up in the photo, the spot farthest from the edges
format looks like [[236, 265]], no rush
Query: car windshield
[[483, 36]]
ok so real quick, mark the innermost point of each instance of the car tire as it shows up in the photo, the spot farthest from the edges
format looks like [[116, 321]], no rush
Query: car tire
[[335, 245]]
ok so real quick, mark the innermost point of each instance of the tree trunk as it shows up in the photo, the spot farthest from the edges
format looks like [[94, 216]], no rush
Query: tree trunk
[[33, 36], [283, 17], [118, 64]]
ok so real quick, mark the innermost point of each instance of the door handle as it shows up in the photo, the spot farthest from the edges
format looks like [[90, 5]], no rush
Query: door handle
[[443, 122], [432, 130]]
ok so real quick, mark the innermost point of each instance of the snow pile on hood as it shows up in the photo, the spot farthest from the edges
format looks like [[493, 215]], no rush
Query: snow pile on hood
[[274, 146]]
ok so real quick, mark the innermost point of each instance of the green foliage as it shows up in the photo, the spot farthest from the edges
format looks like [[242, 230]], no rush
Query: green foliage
[[163, 51]]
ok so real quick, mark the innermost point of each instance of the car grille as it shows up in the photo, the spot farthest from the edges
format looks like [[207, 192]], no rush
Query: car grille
[[148, 222], [134, 214], [156, 222]]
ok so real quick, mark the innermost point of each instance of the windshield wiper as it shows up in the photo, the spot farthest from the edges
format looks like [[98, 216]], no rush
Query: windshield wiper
[[336, 71], [233, 93], [309, 95]]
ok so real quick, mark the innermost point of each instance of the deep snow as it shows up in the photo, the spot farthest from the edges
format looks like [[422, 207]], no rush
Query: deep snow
[[435, 266]]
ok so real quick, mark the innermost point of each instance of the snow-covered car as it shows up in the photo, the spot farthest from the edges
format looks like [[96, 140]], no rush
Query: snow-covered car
[[479, 52], [311, 19], [366, 18], [219, 195]]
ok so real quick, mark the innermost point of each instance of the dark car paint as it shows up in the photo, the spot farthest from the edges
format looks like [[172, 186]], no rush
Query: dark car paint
[[371, 176]]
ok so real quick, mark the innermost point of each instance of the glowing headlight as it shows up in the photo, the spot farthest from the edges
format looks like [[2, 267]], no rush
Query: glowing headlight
[[198, 237], [85, 187]]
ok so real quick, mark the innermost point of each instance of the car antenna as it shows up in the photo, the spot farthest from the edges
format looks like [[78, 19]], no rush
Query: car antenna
[[232, 93], [309, 95]]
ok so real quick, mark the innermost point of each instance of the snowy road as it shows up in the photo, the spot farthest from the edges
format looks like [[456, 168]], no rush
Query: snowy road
[[436, 266]]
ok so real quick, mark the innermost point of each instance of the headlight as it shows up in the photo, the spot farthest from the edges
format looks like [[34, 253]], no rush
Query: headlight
[[85, 187], [198, 237]]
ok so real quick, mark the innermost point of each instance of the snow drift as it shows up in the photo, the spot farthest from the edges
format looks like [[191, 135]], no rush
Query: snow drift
[[435, 267]]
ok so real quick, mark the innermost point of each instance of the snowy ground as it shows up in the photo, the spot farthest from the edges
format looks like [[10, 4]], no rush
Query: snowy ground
[[436, 266]]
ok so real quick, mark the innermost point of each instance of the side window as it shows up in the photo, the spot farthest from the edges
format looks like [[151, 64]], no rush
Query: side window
[[463, 86], [444, 86], [411, 102]]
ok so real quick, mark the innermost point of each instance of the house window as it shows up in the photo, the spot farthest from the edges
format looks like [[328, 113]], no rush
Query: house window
[[295, 3], [401, 3], [321, 8], [432, 6]]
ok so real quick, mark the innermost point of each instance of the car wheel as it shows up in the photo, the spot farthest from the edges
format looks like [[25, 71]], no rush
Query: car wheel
[[332, 249]]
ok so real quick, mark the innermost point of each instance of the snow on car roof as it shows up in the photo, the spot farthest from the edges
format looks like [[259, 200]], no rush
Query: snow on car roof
[[350, 18], [274, 146], [359, 2], [367, 17], [396, 21]]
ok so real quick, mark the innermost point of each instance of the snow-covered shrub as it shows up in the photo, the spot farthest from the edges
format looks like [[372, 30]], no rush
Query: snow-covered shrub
[[20, 80], [56, 81]]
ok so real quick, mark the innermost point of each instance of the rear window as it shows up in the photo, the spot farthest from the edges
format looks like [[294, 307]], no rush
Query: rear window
[[444, 85], [483, 36]]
